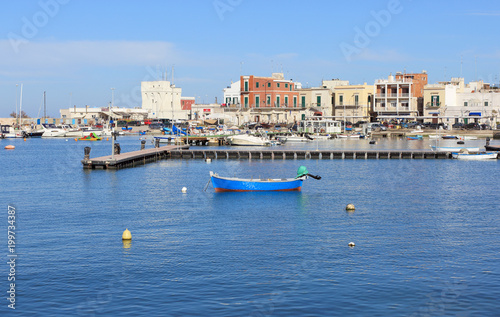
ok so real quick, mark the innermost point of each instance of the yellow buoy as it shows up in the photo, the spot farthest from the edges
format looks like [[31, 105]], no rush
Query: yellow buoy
[[350, 207], [107, 139], [126, 235], [10, 147], [24, 139]]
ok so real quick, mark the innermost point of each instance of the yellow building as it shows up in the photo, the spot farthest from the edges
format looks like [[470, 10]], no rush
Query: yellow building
[[353, 102], [434, 102]]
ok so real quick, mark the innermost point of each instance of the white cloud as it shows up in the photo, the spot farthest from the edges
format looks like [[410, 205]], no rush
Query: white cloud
[[46, 55]]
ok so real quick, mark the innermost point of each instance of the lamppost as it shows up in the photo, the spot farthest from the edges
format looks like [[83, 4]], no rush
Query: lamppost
[[111, 123]]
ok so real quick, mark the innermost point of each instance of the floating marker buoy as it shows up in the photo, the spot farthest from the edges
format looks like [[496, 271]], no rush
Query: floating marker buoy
[[107, 139], [351, 244], [209, 160], [350, 207], [184, 189], [24, 139], [126, 235], [75, 139], [9, 147]]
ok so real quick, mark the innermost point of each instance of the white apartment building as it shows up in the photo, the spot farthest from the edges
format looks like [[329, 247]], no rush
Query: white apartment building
[[232, 95]]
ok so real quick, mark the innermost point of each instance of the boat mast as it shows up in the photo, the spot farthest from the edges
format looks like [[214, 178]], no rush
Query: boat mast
[[44, 105], [21, 105]]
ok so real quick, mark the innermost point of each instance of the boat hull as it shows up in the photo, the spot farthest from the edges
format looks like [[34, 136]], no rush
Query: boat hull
[[454, 149], [248, 140], [474, 156], [224, 184]]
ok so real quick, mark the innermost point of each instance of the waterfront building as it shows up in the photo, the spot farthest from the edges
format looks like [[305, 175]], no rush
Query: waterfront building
[[268, 99], [232, 95], [478, 103], [353, 102], [162, 100], [92, 115], [418, 80], [394, 98], [318, 100]]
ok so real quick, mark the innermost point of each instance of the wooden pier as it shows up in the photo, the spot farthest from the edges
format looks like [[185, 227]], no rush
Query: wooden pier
[[135, 158], [274, 154], [131, 159]]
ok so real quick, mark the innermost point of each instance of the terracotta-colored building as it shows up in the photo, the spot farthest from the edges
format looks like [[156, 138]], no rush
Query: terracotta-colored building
[[418, 80], [268, 92]]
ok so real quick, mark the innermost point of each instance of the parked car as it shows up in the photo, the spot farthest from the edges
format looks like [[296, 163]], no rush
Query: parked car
[[134, 123], [473, 126], [378, 126], [458, 125], [156, 125]]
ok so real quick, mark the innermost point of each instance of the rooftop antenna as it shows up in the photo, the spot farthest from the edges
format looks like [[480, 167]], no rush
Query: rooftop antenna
[[172, 76], [461, 65]]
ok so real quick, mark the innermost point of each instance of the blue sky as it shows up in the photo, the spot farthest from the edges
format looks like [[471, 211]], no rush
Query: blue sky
[[78, 50]]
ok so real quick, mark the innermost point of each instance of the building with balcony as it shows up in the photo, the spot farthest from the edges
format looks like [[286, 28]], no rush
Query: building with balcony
[[92, 115], [269, 99], [232, 95], [419, 80], [317, 100], [353, 103], [394, 98]]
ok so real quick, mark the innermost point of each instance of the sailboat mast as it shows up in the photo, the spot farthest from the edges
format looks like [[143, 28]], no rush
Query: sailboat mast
[[21, 105], [44, 105]]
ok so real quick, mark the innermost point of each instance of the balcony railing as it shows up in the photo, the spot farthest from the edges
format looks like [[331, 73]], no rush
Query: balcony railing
[[392, 95], [433, 104]]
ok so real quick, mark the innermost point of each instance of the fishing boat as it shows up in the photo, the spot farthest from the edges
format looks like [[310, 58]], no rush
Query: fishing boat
[[248, 140], [416, 137], [453, 148], [233, 184], [474, 156]]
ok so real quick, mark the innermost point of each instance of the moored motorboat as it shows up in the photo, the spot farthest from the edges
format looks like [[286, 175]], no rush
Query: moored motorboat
[[248, 140], [453, 148], [233, 184], [474, 156], [492, 147]]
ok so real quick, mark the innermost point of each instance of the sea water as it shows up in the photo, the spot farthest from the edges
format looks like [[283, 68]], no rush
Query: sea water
[[425, 233]]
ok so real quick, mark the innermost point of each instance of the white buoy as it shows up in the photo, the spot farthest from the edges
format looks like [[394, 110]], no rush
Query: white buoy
[[351, 244], [209, 160], [184, 189]]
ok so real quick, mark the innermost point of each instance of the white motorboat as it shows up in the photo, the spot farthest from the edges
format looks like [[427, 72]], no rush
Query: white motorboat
[[51, 130], [453, 148], [474, 156], [83, 131], [7, 131], [248, 140], [297, 138]]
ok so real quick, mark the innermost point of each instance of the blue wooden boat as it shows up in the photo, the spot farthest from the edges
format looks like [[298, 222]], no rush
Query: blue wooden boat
[[233, 184]]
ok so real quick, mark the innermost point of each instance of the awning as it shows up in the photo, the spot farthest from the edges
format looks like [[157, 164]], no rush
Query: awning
[[475, 114], [318, 113]]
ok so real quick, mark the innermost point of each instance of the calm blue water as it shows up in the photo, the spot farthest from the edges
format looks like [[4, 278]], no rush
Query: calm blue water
[[426, 233]]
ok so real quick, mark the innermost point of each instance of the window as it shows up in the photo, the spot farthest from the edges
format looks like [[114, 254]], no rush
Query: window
[[393, 104], [235, 100], [278, 85], [246, 101], [465, 103], [286, 101], [277, 100], [291, 87], [286, 85], [257, 101], [382, 104], [356, 100], [486, 103], [246, 86], [269, 85], [318, 101], [257, 84], [341, 100], [435, 101], [228, 100], [268, 100], [303, 101], [295, 101]]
